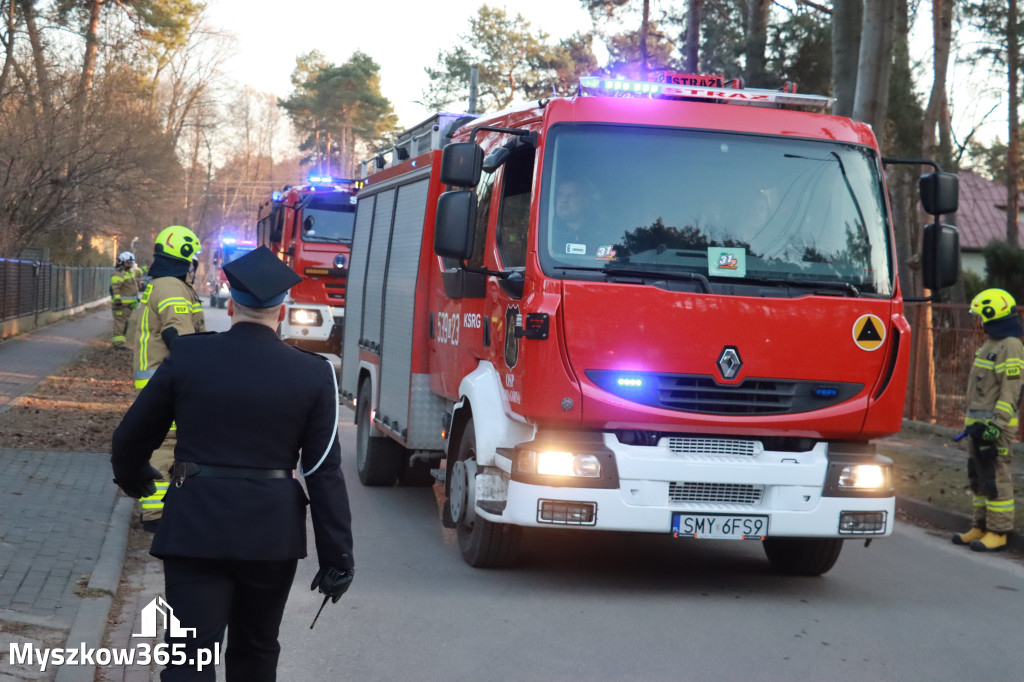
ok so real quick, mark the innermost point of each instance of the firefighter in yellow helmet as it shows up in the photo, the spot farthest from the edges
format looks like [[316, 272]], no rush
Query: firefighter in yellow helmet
[[993, 403], [124, 296], [169, 308]]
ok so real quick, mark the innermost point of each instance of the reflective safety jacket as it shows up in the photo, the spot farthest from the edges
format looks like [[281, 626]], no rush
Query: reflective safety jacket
[[167, 302], [124, 287], [994, 388]]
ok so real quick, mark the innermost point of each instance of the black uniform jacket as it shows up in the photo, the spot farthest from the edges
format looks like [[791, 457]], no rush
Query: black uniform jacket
[[243, 398]]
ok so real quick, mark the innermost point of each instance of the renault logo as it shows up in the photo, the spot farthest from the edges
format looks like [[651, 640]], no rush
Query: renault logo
[[729, 362]]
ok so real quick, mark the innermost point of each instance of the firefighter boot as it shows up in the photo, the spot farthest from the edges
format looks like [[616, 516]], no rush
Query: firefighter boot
[[968, 537], [990, 542]]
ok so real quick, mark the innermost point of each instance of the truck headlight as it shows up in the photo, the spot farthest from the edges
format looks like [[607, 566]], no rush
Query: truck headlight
[[304, 316], [557, 463], [864, 477]]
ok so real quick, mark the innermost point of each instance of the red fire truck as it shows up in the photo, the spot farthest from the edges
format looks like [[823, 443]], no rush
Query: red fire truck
[[651, 307], [228, 249], [310, 228]]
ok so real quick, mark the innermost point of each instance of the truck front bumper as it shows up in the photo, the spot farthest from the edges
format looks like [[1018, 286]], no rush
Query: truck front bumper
[[654, 483]]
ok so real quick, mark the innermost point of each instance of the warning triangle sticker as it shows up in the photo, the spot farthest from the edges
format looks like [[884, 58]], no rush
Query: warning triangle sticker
[[868, 332]]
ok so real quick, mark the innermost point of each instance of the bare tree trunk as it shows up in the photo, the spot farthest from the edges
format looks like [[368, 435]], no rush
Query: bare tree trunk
[[692, 50], [846, 24], [38, 55], [91, 50], [8, 43], [643, 40], [874, 66], [1013, 150], [757, 42], [936, 115]]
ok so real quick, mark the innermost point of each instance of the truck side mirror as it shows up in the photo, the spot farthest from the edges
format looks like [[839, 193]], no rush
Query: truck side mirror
[[461, 163], [455, 224], [940, 255], [940, 193]]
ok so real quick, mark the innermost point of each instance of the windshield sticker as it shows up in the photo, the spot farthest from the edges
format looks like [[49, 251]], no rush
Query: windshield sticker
[[606, 252], [869, 332], [724, 261], [576, 249]]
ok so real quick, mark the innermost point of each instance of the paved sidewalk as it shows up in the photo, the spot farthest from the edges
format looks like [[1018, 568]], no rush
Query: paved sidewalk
[[28, 359], [62, 529]]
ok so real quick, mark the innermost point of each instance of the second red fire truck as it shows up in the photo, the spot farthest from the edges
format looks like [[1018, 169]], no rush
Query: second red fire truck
[[651, 307], [310, 228]]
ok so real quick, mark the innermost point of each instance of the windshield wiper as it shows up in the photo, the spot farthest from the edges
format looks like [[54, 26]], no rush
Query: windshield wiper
[[702, 280], [805, 283]]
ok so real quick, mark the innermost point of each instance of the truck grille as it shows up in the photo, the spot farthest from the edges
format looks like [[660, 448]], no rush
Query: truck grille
[[701, 394], [713, 446], [731, 493]]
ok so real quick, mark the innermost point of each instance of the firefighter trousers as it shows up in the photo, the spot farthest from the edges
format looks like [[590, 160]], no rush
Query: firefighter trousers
[[991, 482], [120, 329], [162, 459]]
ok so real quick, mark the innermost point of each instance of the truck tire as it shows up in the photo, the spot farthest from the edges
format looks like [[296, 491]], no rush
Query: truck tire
[[378, 460], [483, 544], [802, 556]]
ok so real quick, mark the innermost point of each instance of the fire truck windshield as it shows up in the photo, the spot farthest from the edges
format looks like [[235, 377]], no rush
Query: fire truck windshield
[[328, 218], [730, 207]]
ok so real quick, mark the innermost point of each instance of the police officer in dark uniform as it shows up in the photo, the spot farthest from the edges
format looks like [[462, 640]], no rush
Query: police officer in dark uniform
[[248, 408]]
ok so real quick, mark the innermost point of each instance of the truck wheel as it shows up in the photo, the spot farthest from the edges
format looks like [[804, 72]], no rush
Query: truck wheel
[[802, 556], [222, 302], [483, 544], [213, 301], [416, 474], [378, 460]]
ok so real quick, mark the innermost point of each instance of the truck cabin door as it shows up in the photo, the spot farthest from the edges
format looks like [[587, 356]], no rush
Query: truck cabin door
[[505, 297]]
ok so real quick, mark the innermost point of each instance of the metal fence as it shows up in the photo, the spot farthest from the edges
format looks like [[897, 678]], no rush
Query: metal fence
[[945, 337], [29, 287]]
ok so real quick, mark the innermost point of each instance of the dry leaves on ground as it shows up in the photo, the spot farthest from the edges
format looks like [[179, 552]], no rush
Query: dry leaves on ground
[[77, 408]]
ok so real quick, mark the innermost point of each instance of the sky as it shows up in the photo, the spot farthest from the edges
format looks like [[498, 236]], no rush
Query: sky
[[402, 36]]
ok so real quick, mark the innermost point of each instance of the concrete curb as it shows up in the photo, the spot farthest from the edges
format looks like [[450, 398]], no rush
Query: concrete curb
[[90, 622], [947, 520]]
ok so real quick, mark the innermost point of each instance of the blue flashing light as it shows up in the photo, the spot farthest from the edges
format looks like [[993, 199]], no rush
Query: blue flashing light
[[228, 240], [825, 392], [630, 382], [621, 85], [276, 196]]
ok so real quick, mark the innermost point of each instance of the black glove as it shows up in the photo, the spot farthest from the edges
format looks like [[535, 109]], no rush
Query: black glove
[[975, 430], [987, 452], [333, 582], [139, 488]]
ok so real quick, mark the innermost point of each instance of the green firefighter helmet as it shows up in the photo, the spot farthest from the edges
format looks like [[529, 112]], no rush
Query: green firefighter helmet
[[178, 242], [993, 304]]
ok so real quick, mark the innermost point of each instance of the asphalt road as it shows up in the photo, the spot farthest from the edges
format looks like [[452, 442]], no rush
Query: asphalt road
[[592, 607]]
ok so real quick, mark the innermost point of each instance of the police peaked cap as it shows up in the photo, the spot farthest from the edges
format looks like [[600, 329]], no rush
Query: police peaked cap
[[259, 279]]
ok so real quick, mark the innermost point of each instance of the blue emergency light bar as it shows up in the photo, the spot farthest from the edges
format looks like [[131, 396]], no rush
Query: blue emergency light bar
[[276, 197], [617, 85], [680, 87]]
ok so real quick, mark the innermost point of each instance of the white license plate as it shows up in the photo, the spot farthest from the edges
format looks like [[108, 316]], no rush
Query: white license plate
[[719, 526]]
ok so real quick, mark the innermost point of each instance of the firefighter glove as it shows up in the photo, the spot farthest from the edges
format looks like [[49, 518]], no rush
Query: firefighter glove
[[975, 430], [991, 432], [139, 488], [332, 582], [133, 303]]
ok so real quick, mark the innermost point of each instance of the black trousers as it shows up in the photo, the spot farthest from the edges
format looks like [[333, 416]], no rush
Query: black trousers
[[246, 597]]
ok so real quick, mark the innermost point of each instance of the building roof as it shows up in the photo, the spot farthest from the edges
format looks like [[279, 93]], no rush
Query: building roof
[[982, 214]]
